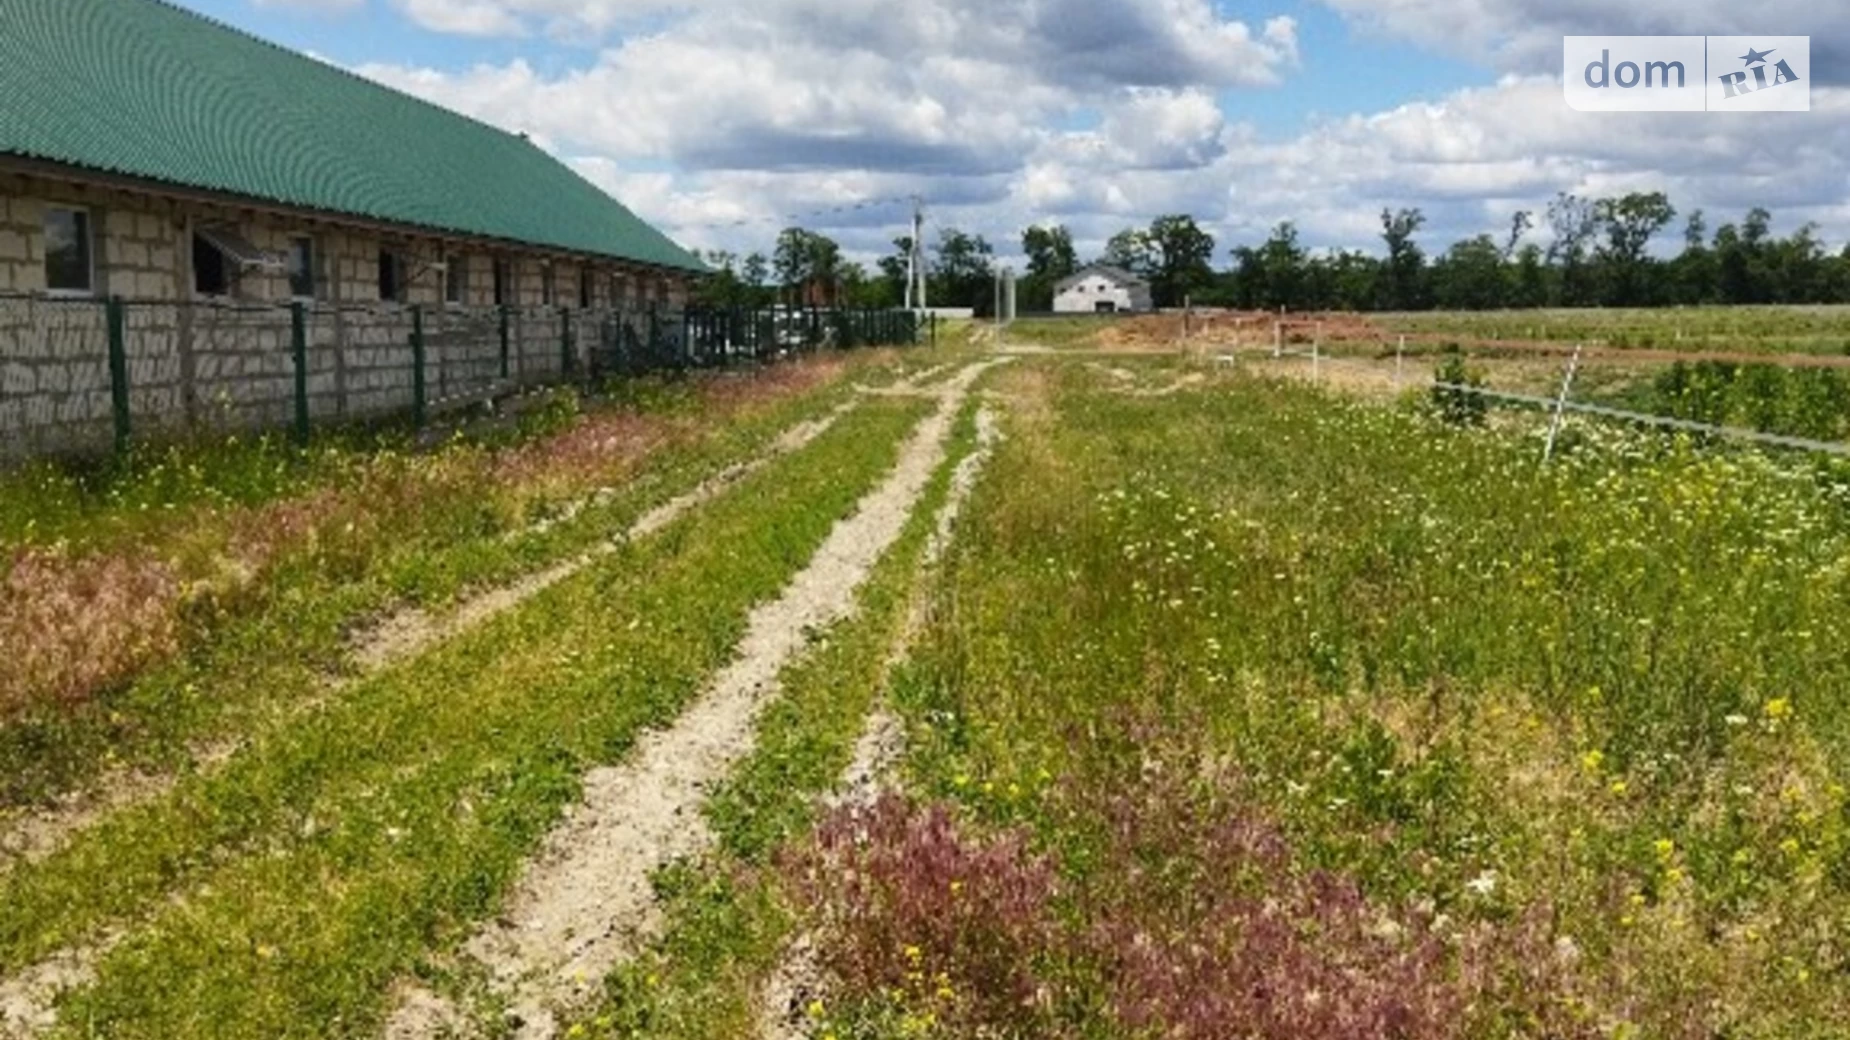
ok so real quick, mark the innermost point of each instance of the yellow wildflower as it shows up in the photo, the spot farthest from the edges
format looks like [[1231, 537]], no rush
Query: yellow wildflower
[[1778, 708]]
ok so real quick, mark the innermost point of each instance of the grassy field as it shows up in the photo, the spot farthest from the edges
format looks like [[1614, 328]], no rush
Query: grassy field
[[1755, 330], [1253, 710], [187, 594], [1236, 706]]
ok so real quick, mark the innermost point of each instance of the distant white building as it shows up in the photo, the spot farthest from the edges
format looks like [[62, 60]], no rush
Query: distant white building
[[1101, 288]]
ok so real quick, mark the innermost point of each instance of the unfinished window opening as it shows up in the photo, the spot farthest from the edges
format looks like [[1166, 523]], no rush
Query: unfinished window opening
[[456, 280], [391, 276], [221, 255], [69, 258], [212, 271], [504, 283], [547, 296], [586, 288], [302, 267]]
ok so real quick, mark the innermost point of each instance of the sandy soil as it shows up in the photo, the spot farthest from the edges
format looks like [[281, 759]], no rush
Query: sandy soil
[[798, 980], [585, 899]]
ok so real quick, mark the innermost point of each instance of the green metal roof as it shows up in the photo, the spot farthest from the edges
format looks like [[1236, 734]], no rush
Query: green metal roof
[[148, 90]]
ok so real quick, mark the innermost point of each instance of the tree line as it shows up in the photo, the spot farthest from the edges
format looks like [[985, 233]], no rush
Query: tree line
[[1598, 253]]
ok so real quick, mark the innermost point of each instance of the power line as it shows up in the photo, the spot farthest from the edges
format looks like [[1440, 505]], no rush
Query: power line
[[798, 218]]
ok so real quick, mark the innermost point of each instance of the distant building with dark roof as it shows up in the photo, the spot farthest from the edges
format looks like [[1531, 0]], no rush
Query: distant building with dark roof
[[1101, 288]]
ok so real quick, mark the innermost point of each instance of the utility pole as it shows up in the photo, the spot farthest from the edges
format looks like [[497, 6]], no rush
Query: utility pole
[[915, 258]]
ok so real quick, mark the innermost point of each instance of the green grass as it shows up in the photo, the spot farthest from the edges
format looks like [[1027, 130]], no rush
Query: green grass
[[1314, 710], [727, 926], [1067, 333], [328, 859], [1759, 330], [250, 656], [1597, 706]]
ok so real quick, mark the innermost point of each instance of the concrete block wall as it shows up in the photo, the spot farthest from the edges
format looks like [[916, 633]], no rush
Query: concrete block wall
[[226, 361], [537, 346], [54, 377], [243, 366], [463, 351], [378, 362], [158, 374]]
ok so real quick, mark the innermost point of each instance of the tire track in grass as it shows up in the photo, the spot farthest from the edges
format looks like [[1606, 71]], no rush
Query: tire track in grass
[[797, 980], [582, 901], [409, 632], [28, 996], [399, 637], [413, 631], [326, 864]]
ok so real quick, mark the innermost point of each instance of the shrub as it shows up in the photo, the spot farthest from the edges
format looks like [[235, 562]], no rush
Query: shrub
[[1456, 400], [906, 903]]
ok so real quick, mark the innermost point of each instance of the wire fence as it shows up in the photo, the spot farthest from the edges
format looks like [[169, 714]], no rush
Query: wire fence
[[80, 374], [1814, 398]]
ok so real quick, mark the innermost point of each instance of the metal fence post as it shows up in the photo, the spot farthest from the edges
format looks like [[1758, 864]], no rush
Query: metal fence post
[[118, 371], [298, 344], [418, 403], [565, 342], [504, 340]]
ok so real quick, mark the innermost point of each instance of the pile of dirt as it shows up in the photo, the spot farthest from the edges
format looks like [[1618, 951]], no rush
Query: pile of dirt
[[1168, 331]]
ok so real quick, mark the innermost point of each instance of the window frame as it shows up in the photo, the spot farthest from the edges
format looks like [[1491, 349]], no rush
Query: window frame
[[310, 269], [549, 285], [86, 237]]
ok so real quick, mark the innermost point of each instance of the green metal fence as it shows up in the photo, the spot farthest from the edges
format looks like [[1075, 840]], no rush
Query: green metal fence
[[85, 374]]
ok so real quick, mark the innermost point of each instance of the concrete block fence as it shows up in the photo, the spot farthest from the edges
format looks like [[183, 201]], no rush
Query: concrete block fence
[[84, 376]]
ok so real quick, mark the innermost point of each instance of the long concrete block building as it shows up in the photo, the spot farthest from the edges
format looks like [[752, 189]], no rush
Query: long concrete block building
[[210, 179]]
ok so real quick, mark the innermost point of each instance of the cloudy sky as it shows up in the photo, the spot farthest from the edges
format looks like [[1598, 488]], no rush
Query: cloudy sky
[[723, 120]]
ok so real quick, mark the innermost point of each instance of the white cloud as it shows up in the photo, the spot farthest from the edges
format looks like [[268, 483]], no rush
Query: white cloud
[[464, 17], [1098, 113], [1525, 35], [315, 6]]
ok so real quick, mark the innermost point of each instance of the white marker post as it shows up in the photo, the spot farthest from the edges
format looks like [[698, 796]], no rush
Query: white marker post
[[1554, 427]]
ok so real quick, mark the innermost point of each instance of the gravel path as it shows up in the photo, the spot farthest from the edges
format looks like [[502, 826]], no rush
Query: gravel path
[[28, 998], [583, 901], [798, 980]]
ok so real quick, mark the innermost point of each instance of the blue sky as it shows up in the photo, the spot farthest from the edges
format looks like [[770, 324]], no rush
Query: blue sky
[[1100, 114]]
